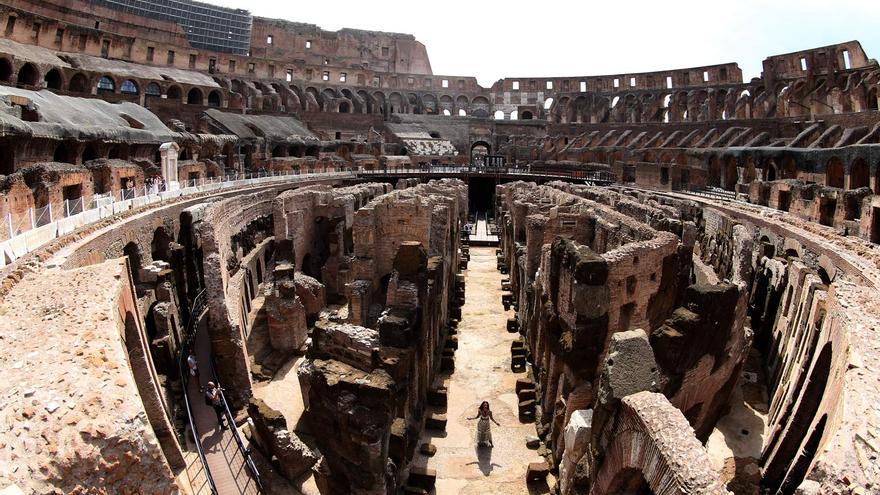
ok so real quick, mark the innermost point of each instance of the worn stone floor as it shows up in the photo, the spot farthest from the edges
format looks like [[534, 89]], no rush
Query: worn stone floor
[[482, 372]]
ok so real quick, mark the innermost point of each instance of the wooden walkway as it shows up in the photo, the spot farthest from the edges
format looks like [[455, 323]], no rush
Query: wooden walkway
[[225, 461]]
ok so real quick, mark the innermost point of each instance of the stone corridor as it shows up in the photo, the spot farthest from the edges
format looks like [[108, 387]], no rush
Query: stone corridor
[[482, 372]]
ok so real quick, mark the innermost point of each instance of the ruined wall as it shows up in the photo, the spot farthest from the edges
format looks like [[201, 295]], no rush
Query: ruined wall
[[59, 427], [388, 339]]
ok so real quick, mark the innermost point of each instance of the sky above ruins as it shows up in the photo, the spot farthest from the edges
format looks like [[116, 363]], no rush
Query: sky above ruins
[[490, 40]]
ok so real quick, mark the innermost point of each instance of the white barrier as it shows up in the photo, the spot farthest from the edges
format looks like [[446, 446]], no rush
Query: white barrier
[[30, 240]]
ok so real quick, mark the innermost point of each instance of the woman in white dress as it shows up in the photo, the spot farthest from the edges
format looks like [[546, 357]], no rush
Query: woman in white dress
[[484, 432]]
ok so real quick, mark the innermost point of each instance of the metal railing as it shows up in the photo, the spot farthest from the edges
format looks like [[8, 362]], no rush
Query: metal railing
[[591, 175], [34, 227], [198, 308]]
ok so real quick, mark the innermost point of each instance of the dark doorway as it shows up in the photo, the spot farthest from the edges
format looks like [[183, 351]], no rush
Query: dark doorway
[[784, 200], [481, 195], [826, 211], [875, 225]]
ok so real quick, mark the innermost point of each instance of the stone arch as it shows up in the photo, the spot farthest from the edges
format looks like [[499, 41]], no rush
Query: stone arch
[[789, 168], [859, 174], [195, 97], [62, 154], [429, 104], [5, 69], [54, 79], [215, 99], [174, 92], [135, 261], [367, 100], [637, 459], [785, 451], [480, 107], [527, 115], [79, 83], [106, 84], [345, 107], [713, 172], [129, 87], [479, 150], [153, 89], [629, 481], [28, 75], [160, 247], [414, 103], [461, 103], [730, 174], [395, 103], [379, 99], [834, 175]]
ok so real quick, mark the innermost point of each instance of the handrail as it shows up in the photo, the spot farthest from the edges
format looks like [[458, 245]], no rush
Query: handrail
[[230, 420], [198, 308]]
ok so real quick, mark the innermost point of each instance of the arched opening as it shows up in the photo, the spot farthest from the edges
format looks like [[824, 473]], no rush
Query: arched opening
[[714, 172], [344, 107], [859, 174], [548, 103], [514, 115], [28, 75], [446, 112], [834, 173], [129, 87], [479, 151], [195, 97], [874, 99], [499, 115], [62, 154], [53, 79], [133, 253], [106, 85], [629, 481], [153, 89], [89, 153], [799, 471], [800, 421], [527, 115], [7, 159], [160, 247], [173, 93], [5, 70], [789, 168], [79, 83], [730, 174], [462, 112], [214, 99]]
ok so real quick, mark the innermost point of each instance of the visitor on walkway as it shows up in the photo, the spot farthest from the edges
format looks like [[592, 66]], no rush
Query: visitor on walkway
[[193, 364], [484, 432], [215, 400]]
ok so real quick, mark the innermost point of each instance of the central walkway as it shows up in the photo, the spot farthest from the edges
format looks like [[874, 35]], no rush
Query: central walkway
[[482, 372]]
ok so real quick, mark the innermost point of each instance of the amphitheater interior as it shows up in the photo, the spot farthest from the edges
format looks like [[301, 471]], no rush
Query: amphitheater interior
[[661, 282]]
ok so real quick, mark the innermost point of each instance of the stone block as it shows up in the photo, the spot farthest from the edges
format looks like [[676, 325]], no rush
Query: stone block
[[537, 472], [512, 325], [435, 421], [526, 394], [428, 449], [438, 397], [447, 363], [423, 478], [526, 408], [518, 364], [524, 383]]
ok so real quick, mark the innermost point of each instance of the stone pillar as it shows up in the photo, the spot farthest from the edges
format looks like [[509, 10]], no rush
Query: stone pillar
[[168, 153]]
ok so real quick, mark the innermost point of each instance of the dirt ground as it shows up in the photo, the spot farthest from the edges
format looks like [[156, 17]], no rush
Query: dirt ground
[[482, 372]]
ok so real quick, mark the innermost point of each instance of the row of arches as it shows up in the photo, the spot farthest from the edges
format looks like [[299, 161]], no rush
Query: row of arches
[[726, 171], [28, 75]]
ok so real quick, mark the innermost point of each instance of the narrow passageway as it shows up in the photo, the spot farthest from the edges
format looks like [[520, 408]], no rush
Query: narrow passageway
[[482, 372], [225, 461]]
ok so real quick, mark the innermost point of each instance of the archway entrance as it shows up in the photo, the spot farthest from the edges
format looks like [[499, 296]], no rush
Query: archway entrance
[[479, 151]]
